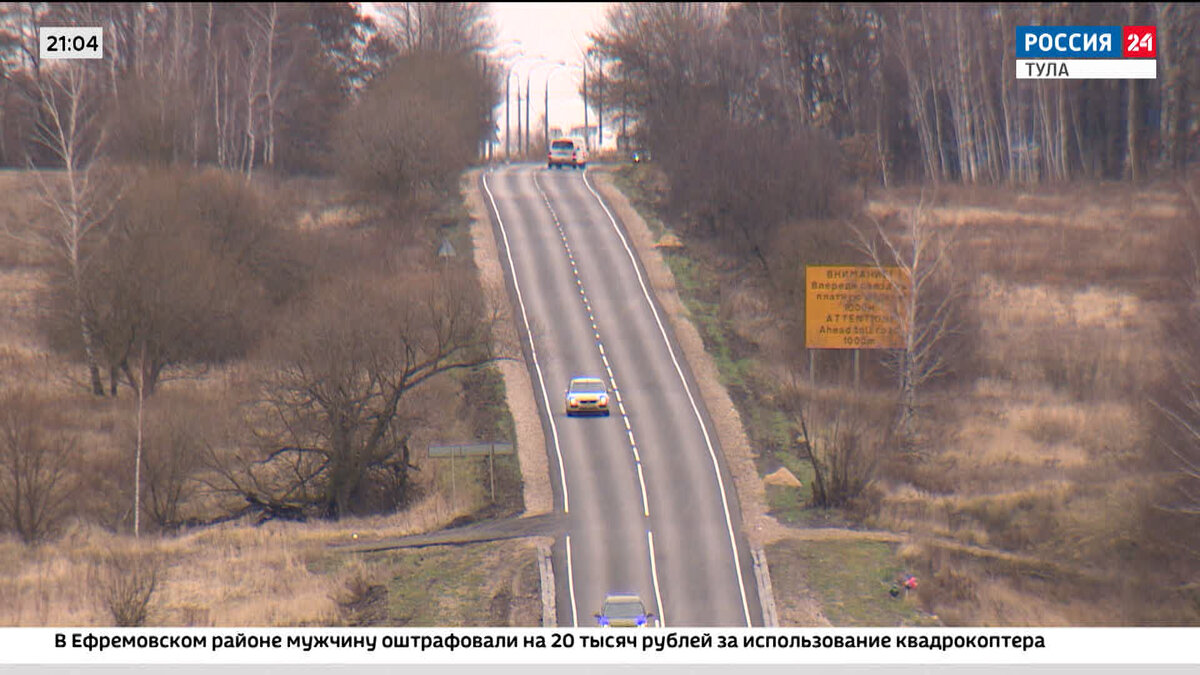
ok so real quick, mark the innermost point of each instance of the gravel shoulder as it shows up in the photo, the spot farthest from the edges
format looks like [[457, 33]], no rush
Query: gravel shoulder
[[518, 388]]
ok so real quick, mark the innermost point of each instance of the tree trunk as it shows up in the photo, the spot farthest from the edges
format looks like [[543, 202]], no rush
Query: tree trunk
[[939, 141], [85, 329], [1133, 141], [137, 462], [344, 478]]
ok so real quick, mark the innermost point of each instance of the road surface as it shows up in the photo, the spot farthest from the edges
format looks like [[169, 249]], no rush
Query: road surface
[[650, 507]]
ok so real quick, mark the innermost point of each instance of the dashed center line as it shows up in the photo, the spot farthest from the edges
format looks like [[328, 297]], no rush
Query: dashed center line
[[612, 380], [616, 389]]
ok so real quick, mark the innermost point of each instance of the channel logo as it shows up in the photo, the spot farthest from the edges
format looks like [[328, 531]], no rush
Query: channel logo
[[1068, 42], [1086, 52]]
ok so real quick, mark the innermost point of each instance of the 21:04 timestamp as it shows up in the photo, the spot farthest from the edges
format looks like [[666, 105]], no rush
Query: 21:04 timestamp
[[71, 42]]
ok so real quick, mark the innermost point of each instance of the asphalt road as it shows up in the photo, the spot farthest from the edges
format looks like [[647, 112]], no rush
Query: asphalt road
[[649, 504]]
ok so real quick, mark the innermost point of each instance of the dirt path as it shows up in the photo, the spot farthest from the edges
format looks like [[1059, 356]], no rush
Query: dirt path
[[549, 525]]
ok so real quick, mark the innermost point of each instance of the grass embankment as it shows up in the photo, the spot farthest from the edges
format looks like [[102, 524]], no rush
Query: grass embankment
[[488, 584], [853, 580]]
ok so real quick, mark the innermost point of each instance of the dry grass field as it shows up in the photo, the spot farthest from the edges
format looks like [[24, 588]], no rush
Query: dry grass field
[[277, 574], [236, 573], [1039, 442], [1033, 498], [1046, 448]]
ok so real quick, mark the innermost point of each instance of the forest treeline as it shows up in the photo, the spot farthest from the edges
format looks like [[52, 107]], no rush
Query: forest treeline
[[236, 85], [913, 91]]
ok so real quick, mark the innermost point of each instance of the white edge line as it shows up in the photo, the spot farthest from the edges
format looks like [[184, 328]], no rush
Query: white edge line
[[737, 563], [562, 471], [571, 585], [642, 481], [662, 620]]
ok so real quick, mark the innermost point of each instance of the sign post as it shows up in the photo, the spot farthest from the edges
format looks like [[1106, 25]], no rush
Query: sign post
[[489, 450]]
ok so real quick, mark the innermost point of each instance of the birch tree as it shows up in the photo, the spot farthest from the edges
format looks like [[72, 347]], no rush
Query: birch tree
[[925, 300], [81, 201]]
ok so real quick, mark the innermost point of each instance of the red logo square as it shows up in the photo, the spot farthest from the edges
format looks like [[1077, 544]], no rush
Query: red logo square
[[1139, 42]]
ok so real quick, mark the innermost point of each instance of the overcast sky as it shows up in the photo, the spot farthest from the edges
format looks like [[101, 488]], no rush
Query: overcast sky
[[556, 31]]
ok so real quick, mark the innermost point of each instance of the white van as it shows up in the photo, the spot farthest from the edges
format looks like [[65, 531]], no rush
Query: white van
[[567, 152]]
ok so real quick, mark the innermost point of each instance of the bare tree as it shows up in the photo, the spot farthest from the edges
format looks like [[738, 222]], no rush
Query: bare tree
[[36, 467], [267, 23], [1178, 28], [416, 128], [336, 442], [445, 27], [924, 298], [19, 23], [1133, 144], [183, 277], [173, 447]]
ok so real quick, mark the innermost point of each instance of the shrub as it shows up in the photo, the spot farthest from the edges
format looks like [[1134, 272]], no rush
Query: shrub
[[124, 583], [36, 467]]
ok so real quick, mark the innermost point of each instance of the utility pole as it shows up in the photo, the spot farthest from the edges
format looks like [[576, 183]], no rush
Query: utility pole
[[546, 109], [546, 112], [528, 77], [599, 105], [508, 101], [507, 124], [587, 131]]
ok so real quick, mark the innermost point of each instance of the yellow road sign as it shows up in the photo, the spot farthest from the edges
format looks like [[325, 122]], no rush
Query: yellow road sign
[[852, 307]]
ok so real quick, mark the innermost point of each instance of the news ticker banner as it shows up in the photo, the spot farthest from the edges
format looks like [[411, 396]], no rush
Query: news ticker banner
[[652, 646], [1087, 52]]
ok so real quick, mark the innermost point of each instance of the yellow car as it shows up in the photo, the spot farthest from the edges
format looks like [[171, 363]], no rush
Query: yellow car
[[623, 610], [587, 395]]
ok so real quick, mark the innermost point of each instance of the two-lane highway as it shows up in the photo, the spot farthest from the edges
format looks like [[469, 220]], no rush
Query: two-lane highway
[[651, 509]]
